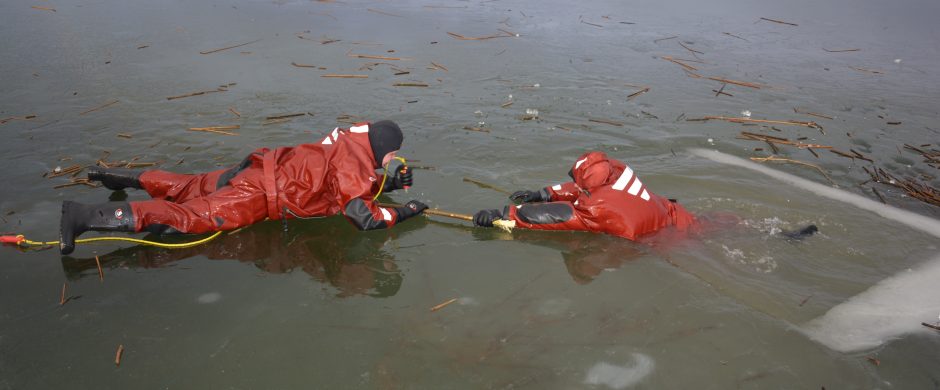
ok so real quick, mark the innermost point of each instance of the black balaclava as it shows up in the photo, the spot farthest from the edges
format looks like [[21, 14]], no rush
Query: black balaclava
[[385, 137]]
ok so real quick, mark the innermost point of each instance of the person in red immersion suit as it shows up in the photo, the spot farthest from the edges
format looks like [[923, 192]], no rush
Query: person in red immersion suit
[[335, 175], [606, 196]]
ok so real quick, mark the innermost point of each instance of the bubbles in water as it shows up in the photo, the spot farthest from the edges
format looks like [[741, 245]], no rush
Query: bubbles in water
[[531, 112], [897, 60], [620, 377], [746, 113]]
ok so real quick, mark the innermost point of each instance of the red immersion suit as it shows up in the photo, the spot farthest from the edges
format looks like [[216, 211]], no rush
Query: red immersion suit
[[606, 197], [307, 180]]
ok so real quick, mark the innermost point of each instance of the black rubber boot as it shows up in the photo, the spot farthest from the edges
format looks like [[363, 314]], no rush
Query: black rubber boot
[[78, 218], [116, 179]]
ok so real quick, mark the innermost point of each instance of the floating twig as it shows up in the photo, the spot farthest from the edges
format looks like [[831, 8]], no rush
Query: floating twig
[[721, 91], [43, 8], [813, 125], [867, 70], [285, 116], [302, 65], [62, 300], [934, 327], [693, 51], [442, 305], [673, 60], [108, 104], [612, 123], [118, 354], [228, 47], [735, 82], [197, 93], [771, 140], [410, 85], [778, 21], [732, 35], [372, 57], [915, 189], [100, 271], [787, 160], [665, 39], [506, 104], [233, 111], [812, 114], [17, 118], [216, 129], [463, 38], [803, 302], [439, 66], [592, 24], [638, 93], [840, 50], [878, 194]]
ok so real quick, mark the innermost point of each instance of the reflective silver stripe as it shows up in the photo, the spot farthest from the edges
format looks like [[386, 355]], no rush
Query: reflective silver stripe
[[359, 129], [645, 195], [335, 133], [326, 141], [578, 164], [624, 179], [556, 187], [387, 215], [635, 187]]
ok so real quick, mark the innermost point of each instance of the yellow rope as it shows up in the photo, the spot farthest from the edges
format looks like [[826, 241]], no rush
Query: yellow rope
[[385, 176], [128, 239]]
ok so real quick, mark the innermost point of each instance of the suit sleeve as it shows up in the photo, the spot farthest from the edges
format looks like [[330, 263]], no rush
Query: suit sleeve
[[566, 192], [549, 216], [354, 188]]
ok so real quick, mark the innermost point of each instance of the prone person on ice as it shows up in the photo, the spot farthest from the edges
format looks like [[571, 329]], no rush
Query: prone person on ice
[[337, 174], [605, 196]]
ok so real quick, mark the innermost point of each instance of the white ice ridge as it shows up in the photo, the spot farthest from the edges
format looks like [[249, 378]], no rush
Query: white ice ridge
[[894, 306], [916, 221]]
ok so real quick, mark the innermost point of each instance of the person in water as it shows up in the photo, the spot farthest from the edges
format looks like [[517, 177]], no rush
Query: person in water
[[605, 196], [337, 174]]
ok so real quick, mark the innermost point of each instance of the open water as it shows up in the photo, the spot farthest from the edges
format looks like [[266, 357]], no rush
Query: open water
[[325, 306]]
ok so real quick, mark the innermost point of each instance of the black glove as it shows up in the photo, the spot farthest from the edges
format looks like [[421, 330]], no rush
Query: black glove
[[401, 179], [528, 196], [410, 209], [486, 217]]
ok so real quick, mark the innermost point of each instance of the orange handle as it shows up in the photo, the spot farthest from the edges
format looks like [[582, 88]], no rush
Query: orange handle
[[17, 239]]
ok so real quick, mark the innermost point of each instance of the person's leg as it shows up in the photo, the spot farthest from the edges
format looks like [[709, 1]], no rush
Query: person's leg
[[228, 208], [177, 187]]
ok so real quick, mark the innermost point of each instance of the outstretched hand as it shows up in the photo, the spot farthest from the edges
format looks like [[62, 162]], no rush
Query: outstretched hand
[[527, 196], [402, 179], [486, 217]]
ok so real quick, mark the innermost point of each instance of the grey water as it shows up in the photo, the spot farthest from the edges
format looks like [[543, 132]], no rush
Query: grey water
[[324, 306]]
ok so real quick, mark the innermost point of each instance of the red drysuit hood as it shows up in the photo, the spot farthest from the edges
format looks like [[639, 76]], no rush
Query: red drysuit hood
[[594, 169]]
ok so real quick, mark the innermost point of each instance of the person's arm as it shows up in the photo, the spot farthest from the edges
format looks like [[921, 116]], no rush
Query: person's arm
[[564, 192], [540, 216]]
